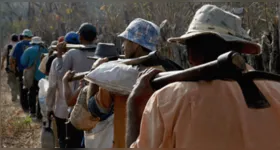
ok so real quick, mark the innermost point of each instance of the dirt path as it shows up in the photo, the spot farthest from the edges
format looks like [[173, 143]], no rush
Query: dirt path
[[18, 130]]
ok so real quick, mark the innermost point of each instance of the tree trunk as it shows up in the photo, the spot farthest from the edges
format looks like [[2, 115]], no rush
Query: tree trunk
[[274, 56]]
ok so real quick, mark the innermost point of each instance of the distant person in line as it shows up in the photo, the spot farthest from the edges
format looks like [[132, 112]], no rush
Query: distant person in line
[[52, 56], [12, 79], [56, 102], [18, 68], [76, 60], [29, 57]]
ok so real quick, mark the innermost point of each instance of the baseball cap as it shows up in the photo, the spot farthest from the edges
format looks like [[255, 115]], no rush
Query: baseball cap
[[87, 31], [72, 38], [27, 33]]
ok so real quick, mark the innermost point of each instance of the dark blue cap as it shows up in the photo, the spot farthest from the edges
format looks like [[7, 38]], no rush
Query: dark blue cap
[[72, 38]]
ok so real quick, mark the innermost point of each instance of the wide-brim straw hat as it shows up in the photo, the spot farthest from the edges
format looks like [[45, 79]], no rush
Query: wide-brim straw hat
[[210, 19]]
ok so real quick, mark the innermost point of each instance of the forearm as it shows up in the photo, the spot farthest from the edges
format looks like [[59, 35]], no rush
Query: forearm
[[67, 92], [92, 90], [74, 96], [133, 121], [50, 98]]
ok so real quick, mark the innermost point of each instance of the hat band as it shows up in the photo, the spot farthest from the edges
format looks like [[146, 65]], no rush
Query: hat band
[[211, 28], [198, 26]]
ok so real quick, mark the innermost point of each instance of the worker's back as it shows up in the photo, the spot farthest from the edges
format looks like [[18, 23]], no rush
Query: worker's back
[[79, 61], [210, 115]]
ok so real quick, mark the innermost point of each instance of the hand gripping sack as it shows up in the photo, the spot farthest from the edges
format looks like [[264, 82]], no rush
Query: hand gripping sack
[[29, 73], [115, 77], [80, 117]]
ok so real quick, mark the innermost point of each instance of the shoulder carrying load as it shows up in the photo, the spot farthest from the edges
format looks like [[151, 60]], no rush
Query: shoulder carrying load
[[115, 77], [228, 66], [153, 59], [76, 46]]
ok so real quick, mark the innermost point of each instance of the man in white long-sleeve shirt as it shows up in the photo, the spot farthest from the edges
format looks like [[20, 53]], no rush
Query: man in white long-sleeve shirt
[[76, 60]]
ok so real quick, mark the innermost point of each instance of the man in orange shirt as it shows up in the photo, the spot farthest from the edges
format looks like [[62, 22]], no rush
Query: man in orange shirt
[[206, 114]]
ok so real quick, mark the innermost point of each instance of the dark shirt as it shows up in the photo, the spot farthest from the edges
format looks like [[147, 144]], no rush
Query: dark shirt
[[49, 63]]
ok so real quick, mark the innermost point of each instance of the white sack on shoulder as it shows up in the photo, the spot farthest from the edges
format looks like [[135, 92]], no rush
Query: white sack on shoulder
[[115, 77]]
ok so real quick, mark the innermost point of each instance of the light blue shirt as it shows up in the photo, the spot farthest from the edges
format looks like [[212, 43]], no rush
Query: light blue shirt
[[29, 56]]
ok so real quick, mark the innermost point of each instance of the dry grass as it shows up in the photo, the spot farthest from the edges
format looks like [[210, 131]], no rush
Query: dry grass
[[18, 130]]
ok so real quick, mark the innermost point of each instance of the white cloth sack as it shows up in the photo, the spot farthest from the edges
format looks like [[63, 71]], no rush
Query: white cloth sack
[[102, 135], [43, 88], [115, 77]]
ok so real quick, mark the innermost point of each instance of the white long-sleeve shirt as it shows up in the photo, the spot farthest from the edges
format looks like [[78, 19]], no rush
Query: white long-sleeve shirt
[[55, 97]]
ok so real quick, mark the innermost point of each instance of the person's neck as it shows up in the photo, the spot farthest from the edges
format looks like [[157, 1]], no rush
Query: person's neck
[[87, 43]]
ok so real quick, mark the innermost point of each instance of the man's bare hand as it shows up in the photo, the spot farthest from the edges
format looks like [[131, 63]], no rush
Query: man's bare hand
[[68, 76], [61, 49], [98, 62], [142, 90]]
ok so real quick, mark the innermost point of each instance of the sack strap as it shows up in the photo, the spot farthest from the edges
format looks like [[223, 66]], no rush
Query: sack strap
[[38, 56]]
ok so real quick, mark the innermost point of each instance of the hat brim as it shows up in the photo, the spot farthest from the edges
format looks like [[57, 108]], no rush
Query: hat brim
[[27, 35], [111, 57], [249, 47], [36, 43], [124, 35]]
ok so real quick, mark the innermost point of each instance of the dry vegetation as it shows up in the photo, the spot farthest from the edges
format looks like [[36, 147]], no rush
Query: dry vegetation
[[51, 19], [18, 130]]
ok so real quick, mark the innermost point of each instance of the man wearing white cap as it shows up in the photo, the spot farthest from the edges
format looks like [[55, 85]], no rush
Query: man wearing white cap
[[18, 68], [207, 114], [30, 57]]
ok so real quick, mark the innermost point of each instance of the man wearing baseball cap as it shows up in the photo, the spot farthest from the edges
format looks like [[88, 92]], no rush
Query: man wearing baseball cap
[[55, 100], [76, 60], [17, 67], [207, 114]]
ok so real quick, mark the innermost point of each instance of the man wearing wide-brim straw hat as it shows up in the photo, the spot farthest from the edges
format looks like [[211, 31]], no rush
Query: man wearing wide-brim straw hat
[[208, 114]]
